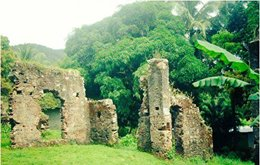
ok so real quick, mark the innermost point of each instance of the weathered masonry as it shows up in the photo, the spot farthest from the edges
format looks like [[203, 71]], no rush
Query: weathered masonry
[[158, 129], [155, 127], [191, 135], [31, 82], [167, 118], [103, 121]]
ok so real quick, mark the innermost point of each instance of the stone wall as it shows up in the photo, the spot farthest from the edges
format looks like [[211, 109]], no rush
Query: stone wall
[[31, 82], [144, 137], [158, 129], [191, 135], [103, 121], [159, 106], [154, 128]]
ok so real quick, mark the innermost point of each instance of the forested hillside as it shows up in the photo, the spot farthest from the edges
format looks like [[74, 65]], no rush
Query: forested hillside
[[39, 53], [112, 53]]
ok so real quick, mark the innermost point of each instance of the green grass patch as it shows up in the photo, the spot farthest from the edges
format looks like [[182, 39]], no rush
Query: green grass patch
[[51, 135], [5, 135], [98, 155], [125, 152], [77, 154]]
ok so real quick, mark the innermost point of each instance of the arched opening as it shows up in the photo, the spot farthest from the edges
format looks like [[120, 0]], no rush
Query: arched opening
[[50, 120]]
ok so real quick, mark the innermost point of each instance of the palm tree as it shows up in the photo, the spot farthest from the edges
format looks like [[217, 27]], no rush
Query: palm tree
[[25, 53], [196, 15]]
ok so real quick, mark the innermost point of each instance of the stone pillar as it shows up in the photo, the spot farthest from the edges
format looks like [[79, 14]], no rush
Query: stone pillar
[[25, 132], [143, 138], [103, 121], [159, 106]]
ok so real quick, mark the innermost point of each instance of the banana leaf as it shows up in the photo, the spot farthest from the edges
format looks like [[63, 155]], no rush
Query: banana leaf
[[220, 81], [254, 96], [228, 58]]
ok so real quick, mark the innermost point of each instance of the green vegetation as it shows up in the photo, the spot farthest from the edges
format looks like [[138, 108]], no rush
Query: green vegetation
[[5, 136], [220, 81], [125, 152], [98, 154], [109, 52], [49, 102], [51, 134], [7, 61], [111, 55], [39, 53], [228, 59]]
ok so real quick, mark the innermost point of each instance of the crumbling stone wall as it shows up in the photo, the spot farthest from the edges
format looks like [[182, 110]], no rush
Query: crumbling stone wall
[[144, 137], [31, 82], [103, 121], [191, 135], [159, 106], [157, 112]]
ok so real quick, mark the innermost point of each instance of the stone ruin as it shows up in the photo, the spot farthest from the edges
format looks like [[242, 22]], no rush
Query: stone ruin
[[103, 121], [166, 120], [155, 127], [77, 114], [158, 130], [191, 135]]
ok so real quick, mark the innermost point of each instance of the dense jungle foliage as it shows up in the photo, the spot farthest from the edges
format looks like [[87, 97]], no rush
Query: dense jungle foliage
[[111, 56], [112, 53]]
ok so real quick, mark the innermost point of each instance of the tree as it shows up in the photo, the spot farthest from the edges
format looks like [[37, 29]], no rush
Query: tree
[[109, 52], [228, 59], [26, 53], [196, 19], [240, 19], [49, 102], [7, 61], [233, 86]]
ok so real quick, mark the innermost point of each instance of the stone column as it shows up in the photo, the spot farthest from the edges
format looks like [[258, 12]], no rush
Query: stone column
[[159, 106], [143, 138], [103, 121]]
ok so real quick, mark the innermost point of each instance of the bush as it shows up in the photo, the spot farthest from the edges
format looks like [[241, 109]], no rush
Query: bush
[[51, 134], [5, 135], [128, 141]]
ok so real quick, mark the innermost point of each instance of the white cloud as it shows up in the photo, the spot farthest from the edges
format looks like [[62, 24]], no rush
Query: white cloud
[[48, 22]]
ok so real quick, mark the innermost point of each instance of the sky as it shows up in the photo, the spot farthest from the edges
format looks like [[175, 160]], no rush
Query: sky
[[49, 22]]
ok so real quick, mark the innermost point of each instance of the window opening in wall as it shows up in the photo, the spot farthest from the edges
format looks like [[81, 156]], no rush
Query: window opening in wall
[[50, 121], [77, 94], [174, 110], [98, 114], [19, 92], [157, 108], [168, 126]]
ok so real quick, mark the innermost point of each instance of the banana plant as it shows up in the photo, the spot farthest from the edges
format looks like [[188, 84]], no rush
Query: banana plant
[[236, 64], [220, 81], [228, 59], [254, 96]]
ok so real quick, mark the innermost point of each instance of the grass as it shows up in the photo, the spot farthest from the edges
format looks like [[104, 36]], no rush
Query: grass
[[124, 152], [5, 136], [51, 134], [98, 154], [77, 154]]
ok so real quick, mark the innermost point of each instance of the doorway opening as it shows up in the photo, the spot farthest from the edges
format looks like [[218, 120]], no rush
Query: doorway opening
[[50, 120]]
